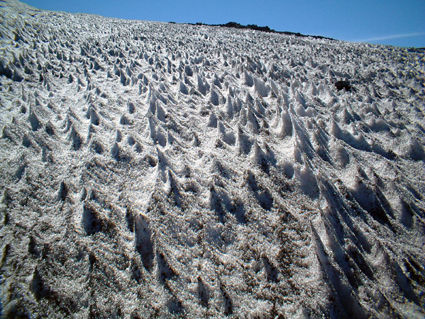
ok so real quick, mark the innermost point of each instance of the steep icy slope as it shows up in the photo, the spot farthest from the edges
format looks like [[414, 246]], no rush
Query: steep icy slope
[[152, 169]]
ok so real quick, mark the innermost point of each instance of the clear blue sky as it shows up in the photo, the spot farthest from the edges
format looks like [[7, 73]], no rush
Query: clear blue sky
[[394, 22]]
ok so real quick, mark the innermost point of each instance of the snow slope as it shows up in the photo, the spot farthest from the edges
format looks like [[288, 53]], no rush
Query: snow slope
[[156, 170]]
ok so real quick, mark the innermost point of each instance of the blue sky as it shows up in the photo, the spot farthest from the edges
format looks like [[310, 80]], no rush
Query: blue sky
[[393, 22]]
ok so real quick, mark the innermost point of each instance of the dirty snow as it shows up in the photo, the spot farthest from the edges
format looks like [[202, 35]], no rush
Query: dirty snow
[[154, 169]]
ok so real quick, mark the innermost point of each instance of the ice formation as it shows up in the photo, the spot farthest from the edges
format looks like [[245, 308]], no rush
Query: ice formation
[[156, 169]]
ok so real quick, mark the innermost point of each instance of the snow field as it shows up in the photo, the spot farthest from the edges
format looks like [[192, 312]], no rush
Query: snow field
[[175, 170]]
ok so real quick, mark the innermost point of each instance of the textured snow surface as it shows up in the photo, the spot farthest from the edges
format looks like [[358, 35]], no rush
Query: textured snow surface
[[158, 170]]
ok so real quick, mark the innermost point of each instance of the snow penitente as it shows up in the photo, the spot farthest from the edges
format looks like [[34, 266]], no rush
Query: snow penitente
[[154, 169]]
